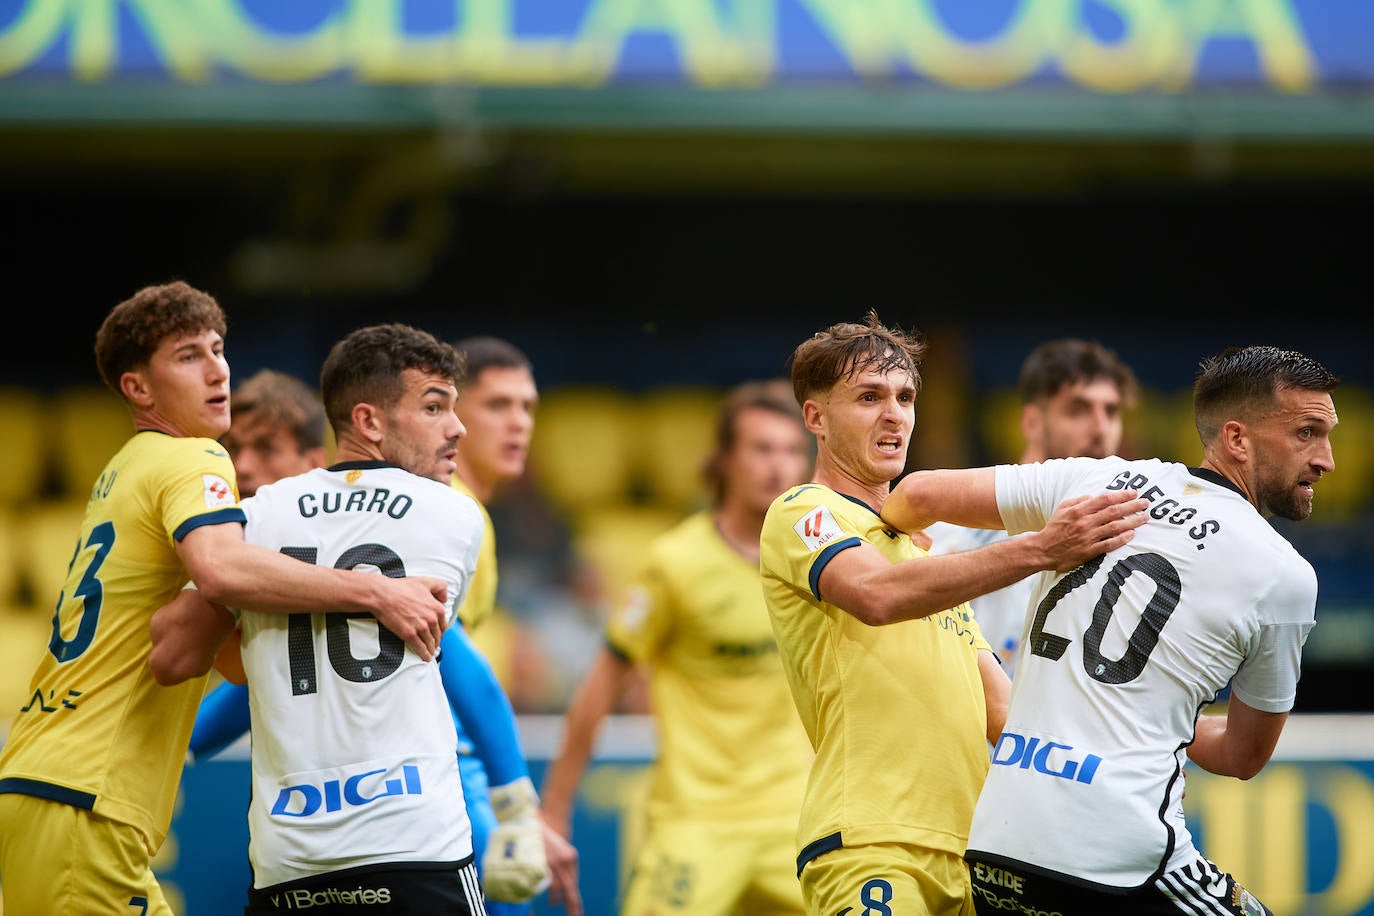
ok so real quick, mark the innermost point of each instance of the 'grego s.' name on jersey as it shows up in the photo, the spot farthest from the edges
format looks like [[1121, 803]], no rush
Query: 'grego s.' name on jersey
[[1166, 507]]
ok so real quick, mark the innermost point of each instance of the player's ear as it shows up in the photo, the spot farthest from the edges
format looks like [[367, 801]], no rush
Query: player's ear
[[1234, 439], [811, 413], [369, 421], [1032, 422], [134, 386]]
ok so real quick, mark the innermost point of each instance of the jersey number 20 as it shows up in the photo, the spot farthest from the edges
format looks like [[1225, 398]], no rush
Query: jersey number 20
[[1143, 638]]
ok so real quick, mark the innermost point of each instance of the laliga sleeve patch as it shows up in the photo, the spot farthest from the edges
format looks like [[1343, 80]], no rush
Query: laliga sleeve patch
[[635, 610], [817, 528], [217, 491]]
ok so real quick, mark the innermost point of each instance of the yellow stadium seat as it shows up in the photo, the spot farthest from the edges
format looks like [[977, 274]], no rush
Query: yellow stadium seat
[[48, 535], [614, 540], [582, 449], [24, 455], [90, 425], [11, 566], [675, 435]]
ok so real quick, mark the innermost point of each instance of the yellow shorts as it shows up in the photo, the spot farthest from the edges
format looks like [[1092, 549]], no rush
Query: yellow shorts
[[696, 868], [55, 858], [887, 879]]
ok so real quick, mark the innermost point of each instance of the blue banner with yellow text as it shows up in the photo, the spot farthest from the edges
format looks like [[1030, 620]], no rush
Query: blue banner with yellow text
[[1103, 46]]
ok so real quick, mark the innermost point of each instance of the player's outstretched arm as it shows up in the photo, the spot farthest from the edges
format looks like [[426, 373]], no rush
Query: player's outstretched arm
[[873, 589], [223, 718], [231, 572], [514, 866], [1237, 744]]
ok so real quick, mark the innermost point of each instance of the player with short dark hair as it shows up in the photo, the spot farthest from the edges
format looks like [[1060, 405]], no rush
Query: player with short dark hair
[[1082, 811]]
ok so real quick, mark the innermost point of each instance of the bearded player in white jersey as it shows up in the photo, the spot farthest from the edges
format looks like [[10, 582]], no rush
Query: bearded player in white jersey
[[1082, 810], [357, 804]]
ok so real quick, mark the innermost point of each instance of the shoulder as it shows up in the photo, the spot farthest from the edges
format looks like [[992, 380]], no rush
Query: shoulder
[[179, 451], [1291, 596]]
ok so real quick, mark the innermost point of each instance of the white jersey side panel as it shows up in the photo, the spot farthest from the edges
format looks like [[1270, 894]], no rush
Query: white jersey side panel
[[1002, 614], [1120, 656], [354, 754]]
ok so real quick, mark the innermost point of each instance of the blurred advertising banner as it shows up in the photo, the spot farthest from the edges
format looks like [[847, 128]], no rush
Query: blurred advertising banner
[[1299, 835], [1106, 45]]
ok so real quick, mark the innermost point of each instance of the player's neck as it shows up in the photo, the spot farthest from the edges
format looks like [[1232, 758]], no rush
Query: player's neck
[[870, 494], [481, 488], [740, 529]]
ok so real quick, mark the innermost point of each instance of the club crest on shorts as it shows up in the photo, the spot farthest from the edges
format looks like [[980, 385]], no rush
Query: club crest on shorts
[[1242, 901]]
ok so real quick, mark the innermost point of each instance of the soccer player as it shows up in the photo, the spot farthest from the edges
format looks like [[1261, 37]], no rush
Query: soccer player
[[90, 769], [497, 404], [1073, 395], [897, 689], [1082, 812], [356, 797], [277, 430], [732, 755]]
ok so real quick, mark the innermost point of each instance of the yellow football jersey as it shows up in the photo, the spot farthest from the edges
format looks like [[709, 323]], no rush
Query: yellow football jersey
[[896, 713], [96, 730], [480, 601], [730, 745]]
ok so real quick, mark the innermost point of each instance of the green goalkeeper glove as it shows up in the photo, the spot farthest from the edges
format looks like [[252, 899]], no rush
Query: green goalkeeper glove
[[514, 868]]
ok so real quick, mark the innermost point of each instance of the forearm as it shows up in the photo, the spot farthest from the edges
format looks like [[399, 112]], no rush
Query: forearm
[[863, 582], [223, 718], [483, 707], [593, 701], [1237, 744], [252, 578], [186, 634], [996, 693]]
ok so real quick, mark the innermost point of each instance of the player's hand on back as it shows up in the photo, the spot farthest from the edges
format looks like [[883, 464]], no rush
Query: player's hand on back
[[1085, 526], [413, 608]]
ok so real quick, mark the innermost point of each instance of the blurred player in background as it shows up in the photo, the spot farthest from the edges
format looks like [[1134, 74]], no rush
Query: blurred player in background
[[497, 403], [89, 773], [897, 689], [1073, 395], [1082, 812], [732, 755]]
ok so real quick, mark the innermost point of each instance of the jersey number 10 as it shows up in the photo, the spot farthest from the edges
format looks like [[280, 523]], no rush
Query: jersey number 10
[[300, 637]]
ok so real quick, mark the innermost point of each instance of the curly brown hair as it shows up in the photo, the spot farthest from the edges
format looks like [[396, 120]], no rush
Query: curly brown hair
[[135, 328]]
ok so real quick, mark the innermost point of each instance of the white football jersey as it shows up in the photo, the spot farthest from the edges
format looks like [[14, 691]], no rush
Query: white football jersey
[[1120, 656], [354, 753], [1001, 615]]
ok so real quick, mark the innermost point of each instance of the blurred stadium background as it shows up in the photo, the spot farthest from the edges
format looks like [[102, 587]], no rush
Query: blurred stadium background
[[659, 198]]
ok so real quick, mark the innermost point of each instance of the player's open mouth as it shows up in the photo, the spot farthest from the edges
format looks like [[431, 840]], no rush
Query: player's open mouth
[[890, 445]]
